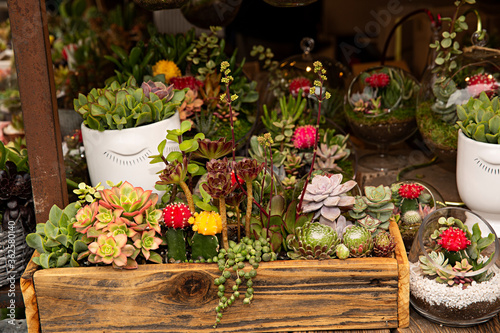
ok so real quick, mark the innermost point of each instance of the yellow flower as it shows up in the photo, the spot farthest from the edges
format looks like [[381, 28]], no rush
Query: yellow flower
[[168, 68], [206, 223]]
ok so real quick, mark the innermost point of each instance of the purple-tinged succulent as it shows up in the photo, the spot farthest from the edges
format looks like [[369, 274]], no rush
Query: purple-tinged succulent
[[213, 149], [218, 166], [158, 88]]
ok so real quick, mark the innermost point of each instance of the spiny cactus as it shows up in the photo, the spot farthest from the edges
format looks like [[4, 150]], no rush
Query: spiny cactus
[[175, 217]]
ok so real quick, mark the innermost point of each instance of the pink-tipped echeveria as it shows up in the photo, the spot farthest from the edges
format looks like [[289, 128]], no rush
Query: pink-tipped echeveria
[[86, 217], [146, 242], [112, 250], [133, 200]]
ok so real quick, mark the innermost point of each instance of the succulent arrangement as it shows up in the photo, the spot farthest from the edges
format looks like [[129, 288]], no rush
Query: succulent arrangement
[[191, 63], [126, 106], [479, 118], [386, 92], [125, 226], [455, 250]]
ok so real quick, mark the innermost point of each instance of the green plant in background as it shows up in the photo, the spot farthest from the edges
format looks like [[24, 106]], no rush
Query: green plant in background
[[479, 119], [126, 106]]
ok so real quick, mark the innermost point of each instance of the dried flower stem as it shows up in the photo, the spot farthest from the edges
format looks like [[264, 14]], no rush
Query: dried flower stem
[[318, 68], [189, 196], [248, 214]]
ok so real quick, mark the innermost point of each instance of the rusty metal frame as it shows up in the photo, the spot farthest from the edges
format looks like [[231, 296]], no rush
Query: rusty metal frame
[[30, 39]]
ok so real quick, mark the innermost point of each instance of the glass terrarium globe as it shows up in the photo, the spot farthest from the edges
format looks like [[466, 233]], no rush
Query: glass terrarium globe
[[414, 200], [450, 283], [380, 109], [478, 69], [207, 13], [296, 73], [160, 4]]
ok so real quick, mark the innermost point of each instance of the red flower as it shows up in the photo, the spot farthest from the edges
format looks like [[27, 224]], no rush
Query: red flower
[[186, 82], [410, 191], [300, 83], [378, 80], [233, 179], [453, 239]]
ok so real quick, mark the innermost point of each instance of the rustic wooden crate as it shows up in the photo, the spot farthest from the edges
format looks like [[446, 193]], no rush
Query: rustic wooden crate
[[293, 295]]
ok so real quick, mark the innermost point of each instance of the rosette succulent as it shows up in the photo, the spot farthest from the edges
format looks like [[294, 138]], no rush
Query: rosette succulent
[[358, 240], [112, 250], [146, 242], [159, 89], [383, 245], [326, 196], [377, 202], [313, 241]]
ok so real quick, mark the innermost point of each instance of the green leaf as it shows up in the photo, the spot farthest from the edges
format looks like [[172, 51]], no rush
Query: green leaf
[[45, 259], [173, 137], [63, 239], [35, 241], [439, 61], [185, 126], [193, 168], [62, 260], [79, 246], [174, 156], [51, 231]]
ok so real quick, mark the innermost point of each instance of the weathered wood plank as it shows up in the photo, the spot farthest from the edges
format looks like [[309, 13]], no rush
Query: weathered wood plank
[[403, 277], [29, 295], [289, 296]]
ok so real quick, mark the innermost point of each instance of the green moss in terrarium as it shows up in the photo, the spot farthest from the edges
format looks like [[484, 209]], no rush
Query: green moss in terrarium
[[397, 116], [242, 127], [442, 134]]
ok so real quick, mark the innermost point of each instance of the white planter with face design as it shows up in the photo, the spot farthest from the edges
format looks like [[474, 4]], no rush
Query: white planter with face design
[[119, 155], [478, 178]]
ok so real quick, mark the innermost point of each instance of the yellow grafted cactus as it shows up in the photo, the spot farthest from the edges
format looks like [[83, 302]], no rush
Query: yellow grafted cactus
[[206, 223]]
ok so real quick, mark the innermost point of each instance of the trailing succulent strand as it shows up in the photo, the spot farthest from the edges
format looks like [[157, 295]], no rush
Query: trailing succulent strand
[[232, 264]]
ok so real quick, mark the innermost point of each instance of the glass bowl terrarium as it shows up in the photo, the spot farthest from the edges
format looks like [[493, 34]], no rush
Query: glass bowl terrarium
[[454, 273], [380, 110], [413, 201], [478, 69]]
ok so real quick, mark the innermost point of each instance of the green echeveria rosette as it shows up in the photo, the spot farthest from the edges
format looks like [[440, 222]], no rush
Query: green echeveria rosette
[[313, 241], [358, 240]]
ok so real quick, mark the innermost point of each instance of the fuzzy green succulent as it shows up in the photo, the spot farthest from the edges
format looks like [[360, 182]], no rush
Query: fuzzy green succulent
[[58, 243], [479, 119], [358, 240], [313, 241]]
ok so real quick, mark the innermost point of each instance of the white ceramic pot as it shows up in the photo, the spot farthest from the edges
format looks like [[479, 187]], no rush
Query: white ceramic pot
[[119, 155], [478, 178]]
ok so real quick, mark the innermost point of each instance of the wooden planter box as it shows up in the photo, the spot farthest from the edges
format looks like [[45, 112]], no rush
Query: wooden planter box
[[293, 295]]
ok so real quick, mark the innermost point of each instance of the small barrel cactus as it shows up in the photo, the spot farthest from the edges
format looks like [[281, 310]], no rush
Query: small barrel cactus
[[313, 241], [383, 245], [358, 240]]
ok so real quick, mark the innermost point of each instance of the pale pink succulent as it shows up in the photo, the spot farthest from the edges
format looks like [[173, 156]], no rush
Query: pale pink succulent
[[190, 104], [304, 137]]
